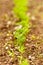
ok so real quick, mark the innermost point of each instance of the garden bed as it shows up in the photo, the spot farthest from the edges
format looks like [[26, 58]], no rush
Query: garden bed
[[9, 53]]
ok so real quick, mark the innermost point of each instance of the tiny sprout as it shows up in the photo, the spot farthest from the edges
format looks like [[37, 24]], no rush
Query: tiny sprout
[[24, 62], [23, 26], [21, 49]]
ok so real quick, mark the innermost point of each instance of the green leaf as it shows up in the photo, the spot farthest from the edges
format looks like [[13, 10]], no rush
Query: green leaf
[[21, 49], [20, 10], [24, 62]]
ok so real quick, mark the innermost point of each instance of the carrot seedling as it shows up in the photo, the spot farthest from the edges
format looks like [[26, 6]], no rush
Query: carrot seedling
[[20, 10]]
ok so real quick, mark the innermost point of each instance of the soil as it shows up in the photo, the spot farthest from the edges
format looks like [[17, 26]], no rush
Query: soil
[[34, 41]]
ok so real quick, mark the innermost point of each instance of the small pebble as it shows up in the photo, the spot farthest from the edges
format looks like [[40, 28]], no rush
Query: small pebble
[[6, 48], [10, 37], [27, 40], [27, 44], [7, 64], [16, 53], [0, 63], [33, 18], [11, 49], [31, 57], [9, 22], [18, 27], [28, 14], [7, 34]]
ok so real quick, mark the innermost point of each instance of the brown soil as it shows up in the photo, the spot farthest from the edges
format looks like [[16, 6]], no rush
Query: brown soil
[[34, 41]]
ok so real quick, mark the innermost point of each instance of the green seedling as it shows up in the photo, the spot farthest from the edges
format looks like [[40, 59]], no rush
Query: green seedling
[[23, 61], [21, 48], [20, 10]]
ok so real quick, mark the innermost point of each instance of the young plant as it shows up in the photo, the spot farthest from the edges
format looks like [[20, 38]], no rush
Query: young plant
[[23, 61], [21, 48], [20, 8], [20, 33]]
